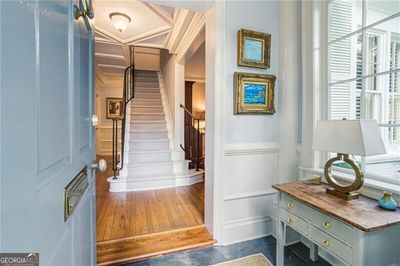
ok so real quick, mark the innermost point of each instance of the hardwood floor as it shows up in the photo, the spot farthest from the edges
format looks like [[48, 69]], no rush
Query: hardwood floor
[[147, 246], [130, 223]]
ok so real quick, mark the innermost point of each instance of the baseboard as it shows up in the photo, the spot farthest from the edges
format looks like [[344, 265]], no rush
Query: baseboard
[[246, 229]]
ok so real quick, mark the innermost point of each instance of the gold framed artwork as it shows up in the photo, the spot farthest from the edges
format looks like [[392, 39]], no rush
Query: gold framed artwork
[[254, 93], [115, 108], [254, 49]]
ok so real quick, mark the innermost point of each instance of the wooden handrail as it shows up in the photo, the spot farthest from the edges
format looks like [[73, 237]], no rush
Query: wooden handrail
[[188, 112]]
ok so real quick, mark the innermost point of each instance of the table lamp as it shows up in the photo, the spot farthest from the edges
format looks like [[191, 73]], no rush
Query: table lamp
[[347, 137]]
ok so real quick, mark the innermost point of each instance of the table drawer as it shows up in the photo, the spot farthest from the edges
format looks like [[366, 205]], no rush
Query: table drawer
[[294, 206], [322, 221], [330, 243], [294, 221], [333, 226]]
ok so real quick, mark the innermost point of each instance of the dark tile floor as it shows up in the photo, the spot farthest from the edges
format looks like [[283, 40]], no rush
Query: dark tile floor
[[296, 254]]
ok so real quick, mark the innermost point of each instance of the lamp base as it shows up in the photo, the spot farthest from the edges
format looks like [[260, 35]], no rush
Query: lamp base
[[343, 195]]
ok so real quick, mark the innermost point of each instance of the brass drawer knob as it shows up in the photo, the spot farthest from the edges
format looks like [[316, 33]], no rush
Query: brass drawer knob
[[326, 243], [327, 225], [290, 220], [290, 205]]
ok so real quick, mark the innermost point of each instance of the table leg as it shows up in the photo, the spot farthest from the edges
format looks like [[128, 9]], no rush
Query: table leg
[[313, 252], [281, 238]]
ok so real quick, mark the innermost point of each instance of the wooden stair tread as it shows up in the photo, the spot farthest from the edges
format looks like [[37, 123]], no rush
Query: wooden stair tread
[[147, 246]]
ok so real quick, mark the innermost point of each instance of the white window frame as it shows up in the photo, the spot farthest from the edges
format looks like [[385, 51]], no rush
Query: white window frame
[[315, 93]]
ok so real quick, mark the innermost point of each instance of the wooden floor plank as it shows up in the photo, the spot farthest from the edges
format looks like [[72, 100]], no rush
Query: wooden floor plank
[[126, 214], [142, 247], [141, 224]]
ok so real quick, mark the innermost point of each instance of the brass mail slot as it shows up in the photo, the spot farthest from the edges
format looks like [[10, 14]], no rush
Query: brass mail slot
[[74, 191]]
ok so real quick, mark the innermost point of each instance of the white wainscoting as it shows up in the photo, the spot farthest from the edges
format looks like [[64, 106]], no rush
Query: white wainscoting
[[250, 170]]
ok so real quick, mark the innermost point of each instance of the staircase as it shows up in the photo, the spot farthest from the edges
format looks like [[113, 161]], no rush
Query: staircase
[[150, 161]]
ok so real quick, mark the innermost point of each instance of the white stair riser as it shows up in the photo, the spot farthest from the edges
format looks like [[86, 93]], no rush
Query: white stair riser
[[149, 146], [190, 180], [181, 168], [153, 170], [135, 184], [147, 90], [144, 117], [156, 96], [150, 157], [146, 75], [148, 135], [146, 79], [147, 109], [148, 126], [147, 102], [147, 84]]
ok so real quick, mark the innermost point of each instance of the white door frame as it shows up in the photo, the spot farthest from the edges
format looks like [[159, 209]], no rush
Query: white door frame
[[215, 106]]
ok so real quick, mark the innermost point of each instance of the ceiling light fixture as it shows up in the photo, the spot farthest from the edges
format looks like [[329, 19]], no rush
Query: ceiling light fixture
[[120, 21]]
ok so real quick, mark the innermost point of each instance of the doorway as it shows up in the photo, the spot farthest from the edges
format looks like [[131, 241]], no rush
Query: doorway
[[147, 213]]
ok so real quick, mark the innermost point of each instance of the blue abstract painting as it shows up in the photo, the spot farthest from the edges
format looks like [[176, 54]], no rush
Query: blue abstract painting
[[254, 93], [253, 50]]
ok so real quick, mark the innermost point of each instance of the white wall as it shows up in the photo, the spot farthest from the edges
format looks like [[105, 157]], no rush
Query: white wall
[[243, 151], [195, 66], [104, 129], [251, 141], [167, 65], [174, 81], [147, 58], [260, 16]]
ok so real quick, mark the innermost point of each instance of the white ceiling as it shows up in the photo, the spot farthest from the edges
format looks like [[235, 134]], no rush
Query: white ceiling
[[152, 25], [145, 21]]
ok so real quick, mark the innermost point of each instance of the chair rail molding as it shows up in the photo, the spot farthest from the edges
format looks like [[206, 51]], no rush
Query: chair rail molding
[[249, 148]]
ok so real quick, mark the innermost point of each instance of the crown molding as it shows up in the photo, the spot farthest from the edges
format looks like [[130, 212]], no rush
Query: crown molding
[[149, 45], [193, 31], [159, 11], [149, 35], [109, 35], [183, 20]]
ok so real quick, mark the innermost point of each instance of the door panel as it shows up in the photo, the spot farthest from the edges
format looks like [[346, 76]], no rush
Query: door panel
[[82, 226], [45, 131], [53, 92]]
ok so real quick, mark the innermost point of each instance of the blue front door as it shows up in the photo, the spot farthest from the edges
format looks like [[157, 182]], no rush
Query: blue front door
[[46, 136]]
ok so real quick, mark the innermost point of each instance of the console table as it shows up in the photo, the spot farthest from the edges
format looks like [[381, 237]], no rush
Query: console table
[[356, 232]]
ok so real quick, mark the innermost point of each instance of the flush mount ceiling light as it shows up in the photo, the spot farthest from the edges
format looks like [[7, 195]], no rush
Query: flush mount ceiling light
[[120, 21]]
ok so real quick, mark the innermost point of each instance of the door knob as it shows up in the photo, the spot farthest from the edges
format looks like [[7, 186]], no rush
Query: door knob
[[101, 165], [95, 120]]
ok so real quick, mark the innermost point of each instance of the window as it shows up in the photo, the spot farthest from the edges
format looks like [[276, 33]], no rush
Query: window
[[364, 74]]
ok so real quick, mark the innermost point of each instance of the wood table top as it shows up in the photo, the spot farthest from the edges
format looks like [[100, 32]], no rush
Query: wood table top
[[363, 213]]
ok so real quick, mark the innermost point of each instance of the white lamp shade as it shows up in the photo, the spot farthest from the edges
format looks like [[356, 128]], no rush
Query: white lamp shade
[[354, 137]]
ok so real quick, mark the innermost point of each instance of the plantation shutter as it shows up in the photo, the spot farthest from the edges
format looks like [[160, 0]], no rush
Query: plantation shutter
[[342, 65]]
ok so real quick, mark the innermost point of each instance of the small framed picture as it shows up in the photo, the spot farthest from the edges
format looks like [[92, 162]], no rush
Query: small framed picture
[[254, 93], [254, 49], [115, 108]]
